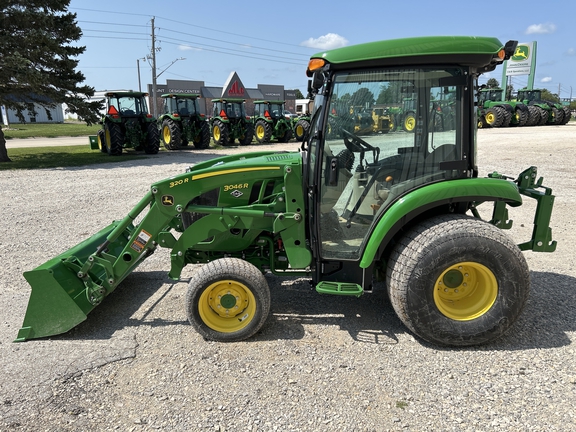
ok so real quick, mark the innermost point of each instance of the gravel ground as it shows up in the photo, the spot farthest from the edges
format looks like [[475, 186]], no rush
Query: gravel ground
[[321, 363]]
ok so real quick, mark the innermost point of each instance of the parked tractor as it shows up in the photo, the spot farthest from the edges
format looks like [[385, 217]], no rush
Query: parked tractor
[[230, 122], [551, 113], [126, 124], [406, 213], [182, 122], [270, 123], [499, 113]]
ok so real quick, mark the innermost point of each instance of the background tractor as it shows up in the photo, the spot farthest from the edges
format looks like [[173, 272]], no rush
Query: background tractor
[[551, 113], [182, 122], [230, 122], [127, 124], [494, 112], [270, 124], [405, 213]]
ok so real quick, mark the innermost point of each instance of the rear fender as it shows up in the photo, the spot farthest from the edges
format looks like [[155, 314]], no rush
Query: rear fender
[[420, 200]]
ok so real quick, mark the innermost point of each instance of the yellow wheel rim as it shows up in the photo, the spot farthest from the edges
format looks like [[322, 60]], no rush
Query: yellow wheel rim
[[100, 143], [465, 291], [216, 133], [410, 123], [166, 133], [490, 118], [227, 306], [299, 130], [260, 131]]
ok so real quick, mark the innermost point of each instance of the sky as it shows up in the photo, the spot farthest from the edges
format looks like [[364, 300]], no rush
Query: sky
[[267, 42]]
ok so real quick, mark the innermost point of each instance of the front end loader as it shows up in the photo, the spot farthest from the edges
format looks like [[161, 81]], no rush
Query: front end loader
[[345, 211]]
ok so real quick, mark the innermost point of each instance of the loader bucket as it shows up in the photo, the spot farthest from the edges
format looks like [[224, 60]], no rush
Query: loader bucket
[[60, 299]]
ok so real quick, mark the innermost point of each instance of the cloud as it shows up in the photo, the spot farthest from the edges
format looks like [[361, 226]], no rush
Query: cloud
[[541, 28], [571, 52], [188, 48], [328, 41], [546, 79]]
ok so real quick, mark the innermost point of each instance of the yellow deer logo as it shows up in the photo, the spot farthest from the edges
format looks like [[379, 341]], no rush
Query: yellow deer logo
[[521, 53]]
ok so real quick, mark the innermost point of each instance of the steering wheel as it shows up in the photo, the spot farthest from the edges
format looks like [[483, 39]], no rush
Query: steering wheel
[[355, 143]]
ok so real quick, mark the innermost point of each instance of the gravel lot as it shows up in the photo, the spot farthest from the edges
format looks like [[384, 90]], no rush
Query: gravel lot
[[321, 363]]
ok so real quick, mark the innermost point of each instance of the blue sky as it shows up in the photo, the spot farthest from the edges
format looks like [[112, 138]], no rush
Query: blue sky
[[270, 42]]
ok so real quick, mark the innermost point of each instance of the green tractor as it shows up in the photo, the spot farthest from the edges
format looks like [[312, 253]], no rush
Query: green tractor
[[126, 124], [269, 121], [182, 122], [551, 113], [230, 122], [406, 210], [494, 112]]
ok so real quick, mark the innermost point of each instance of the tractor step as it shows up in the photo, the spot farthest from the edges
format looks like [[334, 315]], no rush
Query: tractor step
[[339, 288]]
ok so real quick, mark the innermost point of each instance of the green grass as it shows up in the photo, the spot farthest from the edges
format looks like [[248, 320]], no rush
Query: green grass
[[56, 157], [49, 130]]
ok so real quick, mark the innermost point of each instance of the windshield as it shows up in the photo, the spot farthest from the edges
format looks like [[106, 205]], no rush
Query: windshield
[[129, 105], [384, 133], [187, 106]]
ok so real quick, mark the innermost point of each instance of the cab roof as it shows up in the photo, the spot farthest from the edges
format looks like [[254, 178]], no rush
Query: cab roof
[[476, 51]]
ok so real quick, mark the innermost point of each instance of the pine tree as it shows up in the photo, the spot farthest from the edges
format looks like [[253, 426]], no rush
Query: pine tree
[[38, 60]]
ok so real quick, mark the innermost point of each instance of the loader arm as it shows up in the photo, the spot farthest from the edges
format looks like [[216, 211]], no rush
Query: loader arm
[[259, 195]]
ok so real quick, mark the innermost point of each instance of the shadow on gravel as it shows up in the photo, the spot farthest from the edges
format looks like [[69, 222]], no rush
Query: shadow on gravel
[[549, 314], [117, 310]]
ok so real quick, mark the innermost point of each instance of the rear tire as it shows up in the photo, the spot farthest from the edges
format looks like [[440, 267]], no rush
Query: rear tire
[[220, 133], [301, 129], [202, 140], [152, 145], [102, 141], [522, 116], [262, 132], [248, 134], [171, 134], [228, 300], [458, 281], [114, 138], [409, 122], [493, 117]]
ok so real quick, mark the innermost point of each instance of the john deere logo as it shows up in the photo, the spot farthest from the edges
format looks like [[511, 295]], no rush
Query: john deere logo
[[167, 200], [522, 53]]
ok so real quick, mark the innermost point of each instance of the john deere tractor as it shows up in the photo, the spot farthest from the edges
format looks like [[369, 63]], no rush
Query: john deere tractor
[[551, 113], [182, 122], [270, 123], [406, 213], [495, 112], [127, 124], [230, 122]]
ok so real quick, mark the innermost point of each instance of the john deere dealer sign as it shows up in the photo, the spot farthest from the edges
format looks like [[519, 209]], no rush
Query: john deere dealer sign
[[521, 62]]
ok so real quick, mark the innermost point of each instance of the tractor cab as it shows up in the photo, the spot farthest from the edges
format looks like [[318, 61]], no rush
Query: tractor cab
[[357, 179]]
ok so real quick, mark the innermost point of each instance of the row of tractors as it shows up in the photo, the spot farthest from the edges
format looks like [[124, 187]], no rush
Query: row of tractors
[[528, 109], [128, 123]]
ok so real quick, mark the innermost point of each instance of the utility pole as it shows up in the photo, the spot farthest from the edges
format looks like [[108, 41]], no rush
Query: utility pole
[[154, 86]]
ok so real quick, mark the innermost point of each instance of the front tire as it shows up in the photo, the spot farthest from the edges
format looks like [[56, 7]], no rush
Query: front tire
[[457, 281], [228, 300]]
